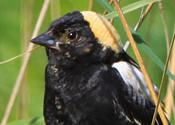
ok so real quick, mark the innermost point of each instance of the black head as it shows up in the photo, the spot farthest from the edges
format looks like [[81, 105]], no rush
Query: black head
[[71, 38], [69, 35]]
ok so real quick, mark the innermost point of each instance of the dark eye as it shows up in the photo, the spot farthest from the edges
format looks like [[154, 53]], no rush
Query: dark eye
[[72, 35]]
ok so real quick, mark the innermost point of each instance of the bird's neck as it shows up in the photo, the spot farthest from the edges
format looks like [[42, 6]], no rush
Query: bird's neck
[[99, 54]]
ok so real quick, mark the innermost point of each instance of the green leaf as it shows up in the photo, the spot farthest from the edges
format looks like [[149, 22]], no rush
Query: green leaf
[[105, 5], [130, 8], [141, 44]]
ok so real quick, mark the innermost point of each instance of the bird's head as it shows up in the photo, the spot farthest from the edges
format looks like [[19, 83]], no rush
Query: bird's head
[[78, 34]]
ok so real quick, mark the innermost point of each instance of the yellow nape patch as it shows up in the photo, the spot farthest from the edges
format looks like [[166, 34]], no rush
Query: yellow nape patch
[[103, 30]]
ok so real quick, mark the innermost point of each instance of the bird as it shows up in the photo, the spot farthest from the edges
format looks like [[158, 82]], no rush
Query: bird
[[90, 79]]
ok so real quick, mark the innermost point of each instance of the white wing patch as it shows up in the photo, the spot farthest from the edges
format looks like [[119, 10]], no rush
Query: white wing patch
[[133, 77]]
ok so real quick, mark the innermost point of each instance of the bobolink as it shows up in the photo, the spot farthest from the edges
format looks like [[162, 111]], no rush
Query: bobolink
[[90, 80]]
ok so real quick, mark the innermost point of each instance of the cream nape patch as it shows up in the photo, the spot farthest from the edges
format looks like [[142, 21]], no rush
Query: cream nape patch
[[103, 30]]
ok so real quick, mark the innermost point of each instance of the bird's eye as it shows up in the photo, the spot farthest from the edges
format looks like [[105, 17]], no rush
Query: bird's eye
[[72, 35]]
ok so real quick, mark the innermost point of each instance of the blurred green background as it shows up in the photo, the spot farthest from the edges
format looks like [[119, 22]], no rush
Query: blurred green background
[[17, 22]]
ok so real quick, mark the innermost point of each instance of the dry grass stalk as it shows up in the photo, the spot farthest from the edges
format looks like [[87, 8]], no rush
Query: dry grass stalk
[[91, 3], [26, 31], [165, 25], [24, 65], [169, 99], [18, 56], [163, 78], [110, 3], [142, 18], [140, 61]]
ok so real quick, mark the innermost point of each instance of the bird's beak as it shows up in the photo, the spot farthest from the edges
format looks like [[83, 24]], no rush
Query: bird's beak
[[46, 40]]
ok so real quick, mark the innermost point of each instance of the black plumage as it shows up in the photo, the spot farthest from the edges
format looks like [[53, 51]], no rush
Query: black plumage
[[82, 87]]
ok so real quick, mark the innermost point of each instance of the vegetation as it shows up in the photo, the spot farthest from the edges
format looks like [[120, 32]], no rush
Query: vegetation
[[18, 21]]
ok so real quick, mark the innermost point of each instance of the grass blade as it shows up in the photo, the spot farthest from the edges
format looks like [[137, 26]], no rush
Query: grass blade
[[130, 8], [105, 5], [141, 44]]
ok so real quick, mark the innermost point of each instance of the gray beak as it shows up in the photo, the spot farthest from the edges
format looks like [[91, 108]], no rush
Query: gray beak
[[45, 40]]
